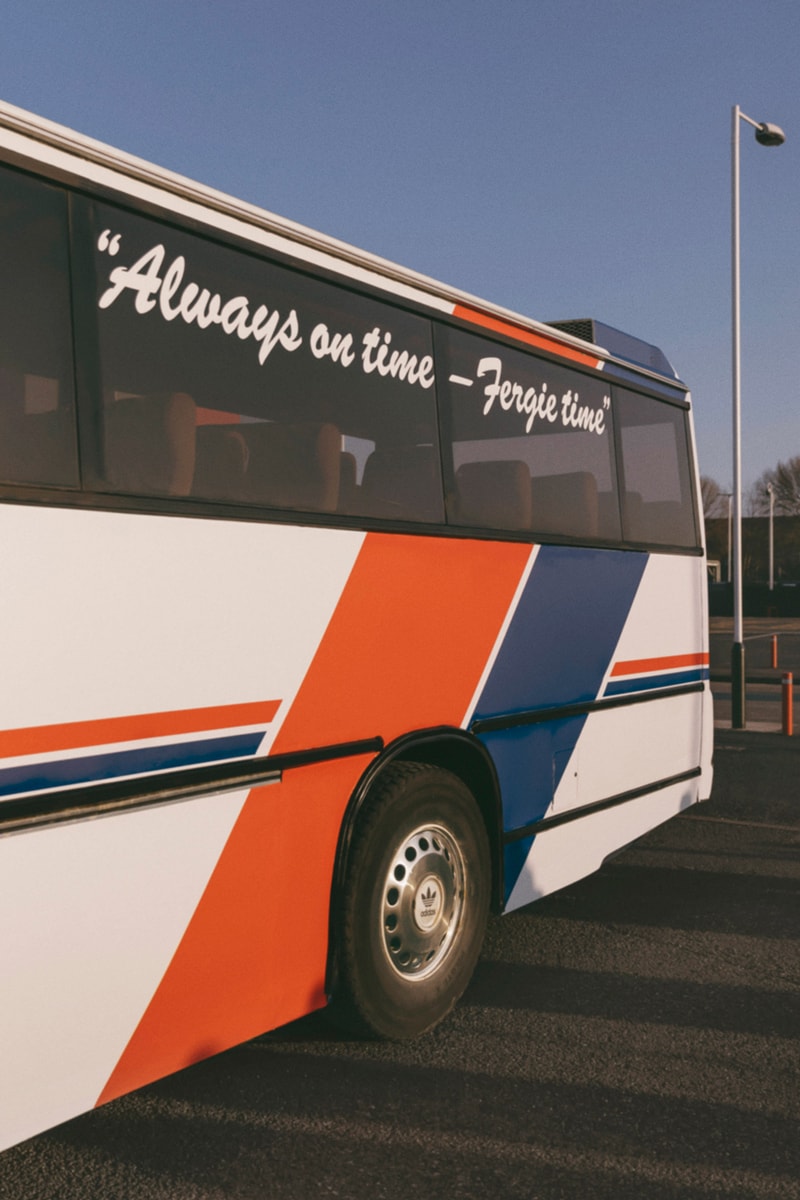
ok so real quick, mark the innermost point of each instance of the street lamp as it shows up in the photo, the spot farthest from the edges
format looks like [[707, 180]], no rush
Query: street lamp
[[766, 135]]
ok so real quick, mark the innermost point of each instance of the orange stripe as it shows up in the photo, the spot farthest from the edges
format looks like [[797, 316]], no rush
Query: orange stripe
[[639, 666], [46, 739], [404, 650], [541, 341]]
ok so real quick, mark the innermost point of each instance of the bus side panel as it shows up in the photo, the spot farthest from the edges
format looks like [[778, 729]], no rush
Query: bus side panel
[[566, 853], [595, 626], [111, 615], [167, 934], [127, 640], [402, 650], [91, 914], [253, 953]]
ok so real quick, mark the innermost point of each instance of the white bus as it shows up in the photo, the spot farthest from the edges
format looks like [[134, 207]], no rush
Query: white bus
[[339, 608]]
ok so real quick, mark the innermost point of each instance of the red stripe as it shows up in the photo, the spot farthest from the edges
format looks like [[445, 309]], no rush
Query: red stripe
[[46, 739], [404, 650], [641, 666], [520, 334]]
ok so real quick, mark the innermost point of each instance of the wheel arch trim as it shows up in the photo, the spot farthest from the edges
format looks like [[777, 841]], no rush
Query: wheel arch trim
[[452, 749]]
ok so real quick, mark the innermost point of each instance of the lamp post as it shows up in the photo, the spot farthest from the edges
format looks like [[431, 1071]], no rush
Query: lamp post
[[766, 135]]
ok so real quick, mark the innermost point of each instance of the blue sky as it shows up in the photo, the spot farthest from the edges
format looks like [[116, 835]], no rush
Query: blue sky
[[565, 158]]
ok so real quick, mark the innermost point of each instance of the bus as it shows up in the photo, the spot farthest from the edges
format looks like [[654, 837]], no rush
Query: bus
[[340, 610]]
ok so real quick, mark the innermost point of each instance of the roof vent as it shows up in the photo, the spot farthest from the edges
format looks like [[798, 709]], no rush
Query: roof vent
[[621, 345]]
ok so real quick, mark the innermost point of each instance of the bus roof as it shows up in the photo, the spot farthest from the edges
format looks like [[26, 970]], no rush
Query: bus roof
[[46, 142]]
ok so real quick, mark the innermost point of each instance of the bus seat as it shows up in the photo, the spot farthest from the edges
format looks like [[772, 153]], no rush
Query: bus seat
[[294, 466], [633, 525], [565, 504], [150, 444], [608, 514], [402, 482], [36, 446], [494, 494], [665, 521], [221, 463], [51, 438]]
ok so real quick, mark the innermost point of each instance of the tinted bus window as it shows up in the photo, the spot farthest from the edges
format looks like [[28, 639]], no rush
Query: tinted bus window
[[37, 429], [226, 377], [531, 442], [657, 503]]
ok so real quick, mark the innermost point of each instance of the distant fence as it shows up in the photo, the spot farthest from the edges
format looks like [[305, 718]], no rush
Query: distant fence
[[757, 600]]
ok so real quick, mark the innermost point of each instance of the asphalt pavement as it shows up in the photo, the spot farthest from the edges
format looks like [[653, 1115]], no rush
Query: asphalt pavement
[[635, 1036], [764, 638]]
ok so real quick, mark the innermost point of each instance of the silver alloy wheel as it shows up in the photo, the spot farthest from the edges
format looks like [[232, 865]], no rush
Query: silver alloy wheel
[[422, 902]]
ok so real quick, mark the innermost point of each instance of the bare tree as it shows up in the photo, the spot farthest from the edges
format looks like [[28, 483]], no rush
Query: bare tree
[[785, 480], [714, 499]]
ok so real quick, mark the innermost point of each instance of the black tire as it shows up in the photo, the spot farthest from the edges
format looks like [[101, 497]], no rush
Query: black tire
[[414, 903]]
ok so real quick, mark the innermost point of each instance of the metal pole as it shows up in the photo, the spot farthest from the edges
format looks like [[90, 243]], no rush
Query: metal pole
[[771, 491], [737, 649], [730, 534]]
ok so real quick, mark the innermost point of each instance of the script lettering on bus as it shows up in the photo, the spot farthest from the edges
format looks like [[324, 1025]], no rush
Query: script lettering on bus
[[153, 287], [399, 364], [196, 305], [536, 403]]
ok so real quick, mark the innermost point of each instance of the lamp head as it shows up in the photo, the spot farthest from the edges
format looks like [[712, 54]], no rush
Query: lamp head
[[770, 135]]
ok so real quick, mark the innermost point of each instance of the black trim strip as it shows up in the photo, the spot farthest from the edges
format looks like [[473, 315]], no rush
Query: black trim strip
[[586, 810], [536, 716], [222, 510], [56, 807]]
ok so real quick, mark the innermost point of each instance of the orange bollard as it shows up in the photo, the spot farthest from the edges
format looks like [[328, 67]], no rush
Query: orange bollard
[[774, 649], [786, 689]]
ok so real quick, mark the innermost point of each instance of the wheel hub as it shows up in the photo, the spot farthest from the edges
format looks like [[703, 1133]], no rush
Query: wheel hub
[[422, 901]]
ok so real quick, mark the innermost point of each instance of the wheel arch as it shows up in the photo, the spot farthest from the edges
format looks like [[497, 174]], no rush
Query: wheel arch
[[455, 751]]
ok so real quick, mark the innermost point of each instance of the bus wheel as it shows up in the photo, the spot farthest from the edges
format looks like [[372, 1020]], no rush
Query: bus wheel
[[414, 903]]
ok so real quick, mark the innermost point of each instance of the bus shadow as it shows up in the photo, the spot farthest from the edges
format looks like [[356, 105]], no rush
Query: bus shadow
[[630, 998], [294, 1119]]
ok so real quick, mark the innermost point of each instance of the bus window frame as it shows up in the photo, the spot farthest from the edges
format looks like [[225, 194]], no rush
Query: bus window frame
[[90, 493], [685, 408]]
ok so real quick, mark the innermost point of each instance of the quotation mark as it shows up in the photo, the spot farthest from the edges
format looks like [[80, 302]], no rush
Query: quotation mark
[[108, 242]]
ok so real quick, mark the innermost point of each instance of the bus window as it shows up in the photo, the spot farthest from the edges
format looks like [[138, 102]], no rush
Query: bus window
[[532, 442], [37, 431], [657, 502], [226, 377]]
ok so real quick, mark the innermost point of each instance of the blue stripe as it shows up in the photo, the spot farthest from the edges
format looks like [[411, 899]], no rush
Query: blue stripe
[[557, 651], [622, 687], [98, 768], [564, 632]]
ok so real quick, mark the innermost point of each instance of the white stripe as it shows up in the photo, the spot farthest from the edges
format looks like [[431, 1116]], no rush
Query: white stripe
[[87, 951], [501, 636]]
